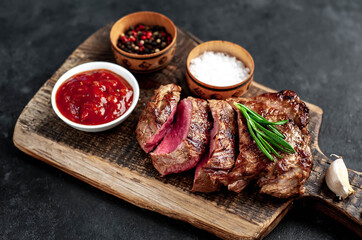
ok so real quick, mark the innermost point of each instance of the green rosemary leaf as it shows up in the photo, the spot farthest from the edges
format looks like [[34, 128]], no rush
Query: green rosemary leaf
[[276, 131], [265, 143], [259, 118], [257, 141], [270, 147], [274, 143], [275, 137], [265, 138]]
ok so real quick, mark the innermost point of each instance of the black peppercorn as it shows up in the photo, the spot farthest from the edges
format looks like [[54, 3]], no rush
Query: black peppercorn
[[144, 39]]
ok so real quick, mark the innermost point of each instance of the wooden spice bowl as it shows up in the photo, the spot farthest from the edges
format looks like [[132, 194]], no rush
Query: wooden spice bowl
[[147, 62], [207, 91]]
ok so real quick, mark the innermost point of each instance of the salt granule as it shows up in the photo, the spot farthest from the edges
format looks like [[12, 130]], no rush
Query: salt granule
[[218, 69]]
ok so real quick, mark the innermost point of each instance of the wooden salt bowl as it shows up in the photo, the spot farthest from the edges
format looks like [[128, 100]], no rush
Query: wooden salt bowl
[[207, 91]]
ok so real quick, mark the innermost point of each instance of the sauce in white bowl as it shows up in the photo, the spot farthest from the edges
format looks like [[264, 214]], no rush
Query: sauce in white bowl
[[95, 96]]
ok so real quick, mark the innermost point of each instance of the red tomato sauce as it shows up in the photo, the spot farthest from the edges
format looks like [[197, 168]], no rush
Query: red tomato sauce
[[94, 97]]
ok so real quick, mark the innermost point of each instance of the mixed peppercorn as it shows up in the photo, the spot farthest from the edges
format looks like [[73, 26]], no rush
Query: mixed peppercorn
[[144, 39]]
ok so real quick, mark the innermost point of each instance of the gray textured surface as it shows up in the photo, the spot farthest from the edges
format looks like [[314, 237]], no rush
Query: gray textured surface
[[313, 48]]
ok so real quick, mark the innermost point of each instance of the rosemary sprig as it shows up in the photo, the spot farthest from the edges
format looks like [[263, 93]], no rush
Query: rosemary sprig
[[264, 133]]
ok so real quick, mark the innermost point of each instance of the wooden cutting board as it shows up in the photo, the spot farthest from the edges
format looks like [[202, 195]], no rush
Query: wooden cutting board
[[113, 161]]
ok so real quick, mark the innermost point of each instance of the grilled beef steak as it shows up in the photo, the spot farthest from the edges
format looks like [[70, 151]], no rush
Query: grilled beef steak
[[186, 141], [157, 116], [221, 156], [285, 177]]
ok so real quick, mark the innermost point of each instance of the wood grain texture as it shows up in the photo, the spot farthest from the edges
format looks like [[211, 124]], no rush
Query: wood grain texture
[[113, 162]]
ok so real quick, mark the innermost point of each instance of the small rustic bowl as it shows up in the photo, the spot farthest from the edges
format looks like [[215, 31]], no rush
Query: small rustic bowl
[[207, 91], [148, 62], [93, 66]]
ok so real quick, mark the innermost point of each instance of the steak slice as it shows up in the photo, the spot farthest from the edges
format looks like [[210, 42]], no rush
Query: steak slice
[[221, 156], [157, 116], [186, 140], [285, 177]]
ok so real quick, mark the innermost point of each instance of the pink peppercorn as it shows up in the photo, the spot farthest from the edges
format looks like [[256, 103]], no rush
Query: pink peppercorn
[[144, 39], [149, 34]]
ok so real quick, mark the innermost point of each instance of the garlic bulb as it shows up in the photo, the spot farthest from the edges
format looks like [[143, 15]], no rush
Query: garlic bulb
[[337, 178]]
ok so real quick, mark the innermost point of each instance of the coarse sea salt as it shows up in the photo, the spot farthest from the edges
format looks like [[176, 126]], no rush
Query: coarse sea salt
[[218, 69]]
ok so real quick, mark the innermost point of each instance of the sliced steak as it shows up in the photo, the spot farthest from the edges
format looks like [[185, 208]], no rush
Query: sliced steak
[[186, 141], [285, 177], [157, 116], [221, 156]]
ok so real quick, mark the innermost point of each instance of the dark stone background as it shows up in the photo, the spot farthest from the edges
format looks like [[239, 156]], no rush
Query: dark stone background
[[313, 48]]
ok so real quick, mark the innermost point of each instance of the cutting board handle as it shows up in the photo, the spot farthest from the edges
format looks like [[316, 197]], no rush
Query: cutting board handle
[[348, 211]]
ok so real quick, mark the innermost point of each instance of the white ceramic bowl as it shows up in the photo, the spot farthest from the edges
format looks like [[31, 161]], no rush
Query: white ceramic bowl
[[92, 66]]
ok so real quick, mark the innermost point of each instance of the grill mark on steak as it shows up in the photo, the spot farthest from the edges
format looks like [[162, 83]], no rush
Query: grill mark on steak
[[186, 141], [221, 155], [157, 116], [285, 177]]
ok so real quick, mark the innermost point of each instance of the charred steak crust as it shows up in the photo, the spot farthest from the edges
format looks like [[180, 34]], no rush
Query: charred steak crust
[[290, 102], [222, 153], [157, 116], [199, 133], [190, 147], [284, 177]]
